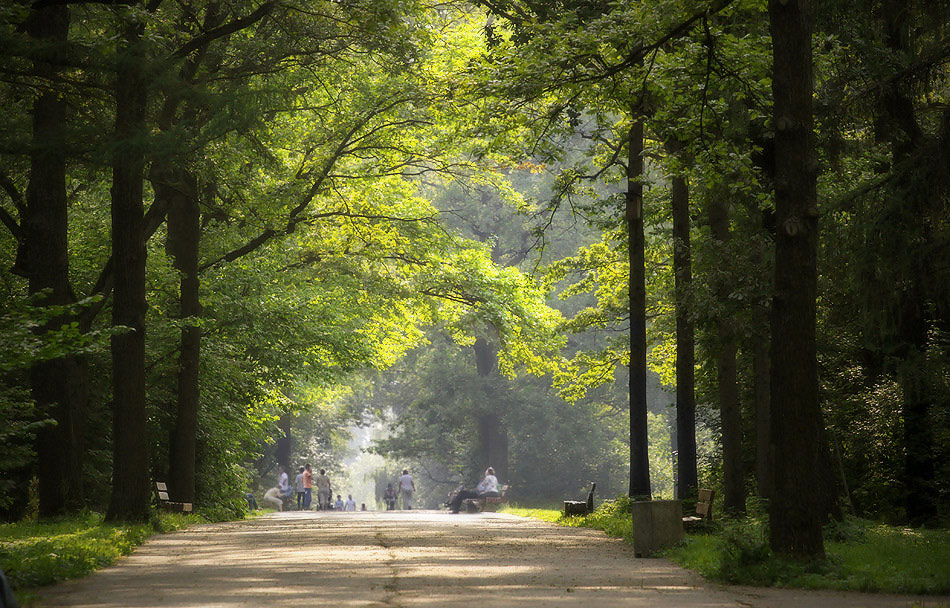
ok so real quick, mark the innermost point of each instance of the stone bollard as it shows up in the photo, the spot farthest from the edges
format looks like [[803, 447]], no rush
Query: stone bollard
[[656, 524]]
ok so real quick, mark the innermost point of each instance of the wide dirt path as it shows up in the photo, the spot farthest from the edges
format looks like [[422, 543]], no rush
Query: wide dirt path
[[409, 559]]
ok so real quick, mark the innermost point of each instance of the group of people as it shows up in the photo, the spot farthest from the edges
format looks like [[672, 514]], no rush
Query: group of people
[[304, 483], [406, 488]]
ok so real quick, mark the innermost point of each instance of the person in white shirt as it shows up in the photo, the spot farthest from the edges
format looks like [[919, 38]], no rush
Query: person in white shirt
[[488, 486], [283, 484], [350, 503], [406, 487]]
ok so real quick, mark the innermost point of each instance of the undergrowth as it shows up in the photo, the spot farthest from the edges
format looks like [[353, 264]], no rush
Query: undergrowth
[[33, 554]]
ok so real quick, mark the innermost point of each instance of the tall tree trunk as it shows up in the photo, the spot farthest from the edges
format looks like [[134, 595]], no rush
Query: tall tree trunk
[[57, 385], [492, 433], [760, 389], [180, 189], [493, 444], [639, 456], [730, 412], [130, 472], [686, 473], [795, 424]]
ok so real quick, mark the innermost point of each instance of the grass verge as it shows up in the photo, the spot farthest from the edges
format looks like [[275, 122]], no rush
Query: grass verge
[[33, 554], [861, 555]]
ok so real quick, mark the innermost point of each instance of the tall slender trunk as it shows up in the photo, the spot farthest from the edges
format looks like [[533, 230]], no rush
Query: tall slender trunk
[[795, 423], [492, 432], [730, 412], [686, 473], [57, 385], [760, 390], [179, 187], [130, 472], [639, 456]]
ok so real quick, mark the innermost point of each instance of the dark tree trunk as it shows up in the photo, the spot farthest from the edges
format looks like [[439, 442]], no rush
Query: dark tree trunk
[[760, 374], [920, 491], [493, 445], [730, 411], [57, 385], [130, 473], [639, 456], [180, 189], [492, 433], [686, 474], [797, 518]]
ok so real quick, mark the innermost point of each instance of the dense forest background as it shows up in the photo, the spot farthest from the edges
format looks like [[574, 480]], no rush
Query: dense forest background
[[652, 245]]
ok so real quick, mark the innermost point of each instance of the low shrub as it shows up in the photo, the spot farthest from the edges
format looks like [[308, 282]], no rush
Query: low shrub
[[33, 554]]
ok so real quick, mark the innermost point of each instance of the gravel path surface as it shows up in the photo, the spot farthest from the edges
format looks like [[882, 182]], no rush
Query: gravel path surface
[[410, 559]]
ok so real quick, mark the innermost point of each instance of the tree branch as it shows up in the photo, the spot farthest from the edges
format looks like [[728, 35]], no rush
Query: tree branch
[[224, 30]]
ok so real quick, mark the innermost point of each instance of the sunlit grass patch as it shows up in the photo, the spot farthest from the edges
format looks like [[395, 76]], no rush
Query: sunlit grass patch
[[551, 515], [33, 554], [860, 556]]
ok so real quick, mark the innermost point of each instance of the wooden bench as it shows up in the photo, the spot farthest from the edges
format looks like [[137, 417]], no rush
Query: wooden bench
[[703, 516], [576, 507], [489, 503], [178, 507]]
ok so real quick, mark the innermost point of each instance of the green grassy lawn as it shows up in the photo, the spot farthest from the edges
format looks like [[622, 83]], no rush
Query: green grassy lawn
[[33, 554], [861, 555]]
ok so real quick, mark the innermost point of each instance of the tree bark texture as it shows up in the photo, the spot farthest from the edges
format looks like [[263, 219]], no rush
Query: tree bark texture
[[796, 518], [180, 188], [57, 386], [639, 456], [730, 411], [760, 391], [130, 475], [686, 473]]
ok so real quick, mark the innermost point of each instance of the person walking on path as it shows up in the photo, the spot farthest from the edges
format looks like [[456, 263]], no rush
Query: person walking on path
[[307, 487], [350, 503], [323, 490], [298, 484], [406, 487]]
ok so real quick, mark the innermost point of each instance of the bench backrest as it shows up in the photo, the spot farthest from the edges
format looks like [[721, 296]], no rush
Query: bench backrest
[[705, 502], [162, 490]]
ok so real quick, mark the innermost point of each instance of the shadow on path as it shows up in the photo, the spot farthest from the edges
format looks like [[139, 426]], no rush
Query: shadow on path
[[411, 559]]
